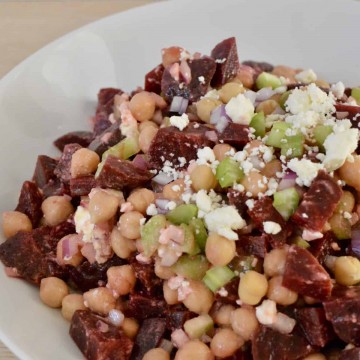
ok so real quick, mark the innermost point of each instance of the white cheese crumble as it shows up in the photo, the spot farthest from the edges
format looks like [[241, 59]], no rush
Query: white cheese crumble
[[240, 109], [250, 203], [212, 94], [181, 122], [205, 155], [305, 170], [338, 89], [83, 224], [306, 76], [171, 205], [201, 80], [271, 227], [266, 312], [223, 221], [203, 201], [151, 210]]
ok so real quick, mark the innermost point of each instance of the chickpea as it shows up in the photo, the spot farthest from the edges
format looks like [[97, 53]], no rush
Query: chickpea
[[141, 199], [285, 71], [202, 177], [170, 296], [347, 203], [129, 224], [252, 288], [245, 76], [271, 168], [122, 246], [121, 279], [70, 304], [230, 90], [350, 172], [205, 106], [171, 55], [145, 124], [254, 183], [244, 322], [252, 145], [194, 350], [267, 106], [102, 206], [316, 356], [221, 151], [77, 258], [156, 354], [15, 221], [163, 272], [52, 291], [347, 270], [146, 137], [200, 299], [322, 83], [56, 209], [84, 162], [142, 106], [274, 262], [219, 250], [225, 343], [280, 294], [130, 327], [100, 300], [174, 190], [223, 315]]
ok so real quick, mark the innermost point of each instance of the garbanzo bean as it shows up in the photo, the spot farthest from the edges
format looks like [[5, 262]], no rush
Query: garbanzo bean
[[347, 202], [156, 354], [102, 206], [122, 246], [205, 106], [267, 106], [271, 168], [146, 137], [225, 343], [56, 209], [142, 106], [219, 250], [163, 272], [130, 327], [280, 294], [244, 322], [252, 288], [145, 124], [129, 224], [202, 177], [194, 350], [285, 71], [84, 162], [174, 190], [121, 279], [141, 199], [76, 258], [15, 221], [230, 90], [254, 183], [245, 76], [350, 172], [347, 270], [70, 304], [223, 315], [100, 300], [170, 296], [316, 356], [274, 262], [52, 291], [322, 83], [200, 299], [221, 151]]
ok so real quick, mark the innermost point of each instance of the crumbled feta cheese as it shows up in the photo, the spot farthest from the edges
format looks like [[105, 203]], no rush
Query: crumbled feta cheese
[[224, 220], [239, 187], [201, 80], [240, 109], [338, 89], [83, 224], [220, 61], [271, 227], [250, 203], [205, 155], [181, 122], [306, 76], [212, 94], [310, 235], [305, 170], [171, 205], [266, 312], [151, 210], [203, 201], [347, 215], [303, 121]]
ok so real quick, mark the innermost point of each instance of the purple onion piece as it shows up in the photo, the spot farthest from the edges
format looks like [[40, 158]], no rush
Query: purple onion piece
[[288, 181], [264, 94], [251, 95], [342, 115], [355, 241], [211, 135], [219, 118], [140, 162], [162, 179], [179, 105]]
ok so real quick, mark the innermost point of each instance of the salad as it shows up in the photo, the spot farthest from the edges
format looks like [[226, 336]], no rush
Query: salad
[[213, 213]]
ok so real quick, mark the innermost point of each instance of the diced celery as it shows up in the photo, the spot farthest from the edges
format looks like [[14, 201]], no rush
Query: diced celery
[[99, 168], [217, 277], [283, 99], [258, 123], [191, 267], [124, 149], [150, 234], [200, 233], [355, 93], [299, 241], [189, 246], [182, 214], [198, 326], [268, 80], [294, 146], [286, 202], [340, 226], [277, 133], [228, 172], [321, 132]]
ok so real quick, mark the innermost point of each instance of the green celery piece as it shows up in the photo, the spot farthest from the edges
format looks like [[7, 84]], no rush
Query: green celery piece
[[268, 80], [286, 202], [198, 326], [340, 226], [150, 234], [191, 267], [200, 233], [229, 172], [355, 93], [294, 146], [321, 132], [189, 246], [217, 277], [258, 123], [277, 133], [182, 214], [283, 99], [124, 149], [299, 241]]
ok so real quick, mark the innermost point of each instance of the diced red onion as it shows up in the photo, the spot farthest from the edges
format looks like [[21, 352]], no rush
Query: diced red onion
[[342, 115], [174, 71], [211, 135], [355, 241], [264, 94], [185, 71], [179, 338], [283, 323], [251, 95], [70, 245], [88, 252], [162, 179], [102, 326], [116, 317], [219, 118], [279, 111], [287, 181], [140, 162], [179, 104], [11, 272], [166, 345]]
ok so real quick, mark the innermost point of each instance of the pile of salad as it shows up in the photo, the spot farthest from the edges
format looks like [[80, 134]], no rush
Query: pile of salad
[[212, 214]]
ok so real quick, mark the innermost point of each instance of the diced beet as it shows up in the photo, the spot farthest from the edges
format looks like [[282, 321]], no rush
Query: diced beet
[[318, 203], [170, 144], [235, 134], [353, 110], [170, 87], [66, 227], [270, 344], [121, 174], [101, 122], [110, 137], [144, 307], [237, 199], [30, 201], [106, 99], [97, 339], [343, 311], [153, 79], [351, 354], [321, 248], [150, 334], [305, 275], [88, 276], [55, 187], [82, 186], [83, 138], [227, 62], [253, 245], [44, 170], [232, 288], [317, 330], [62, 170], [259, 67], [176, 316]]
